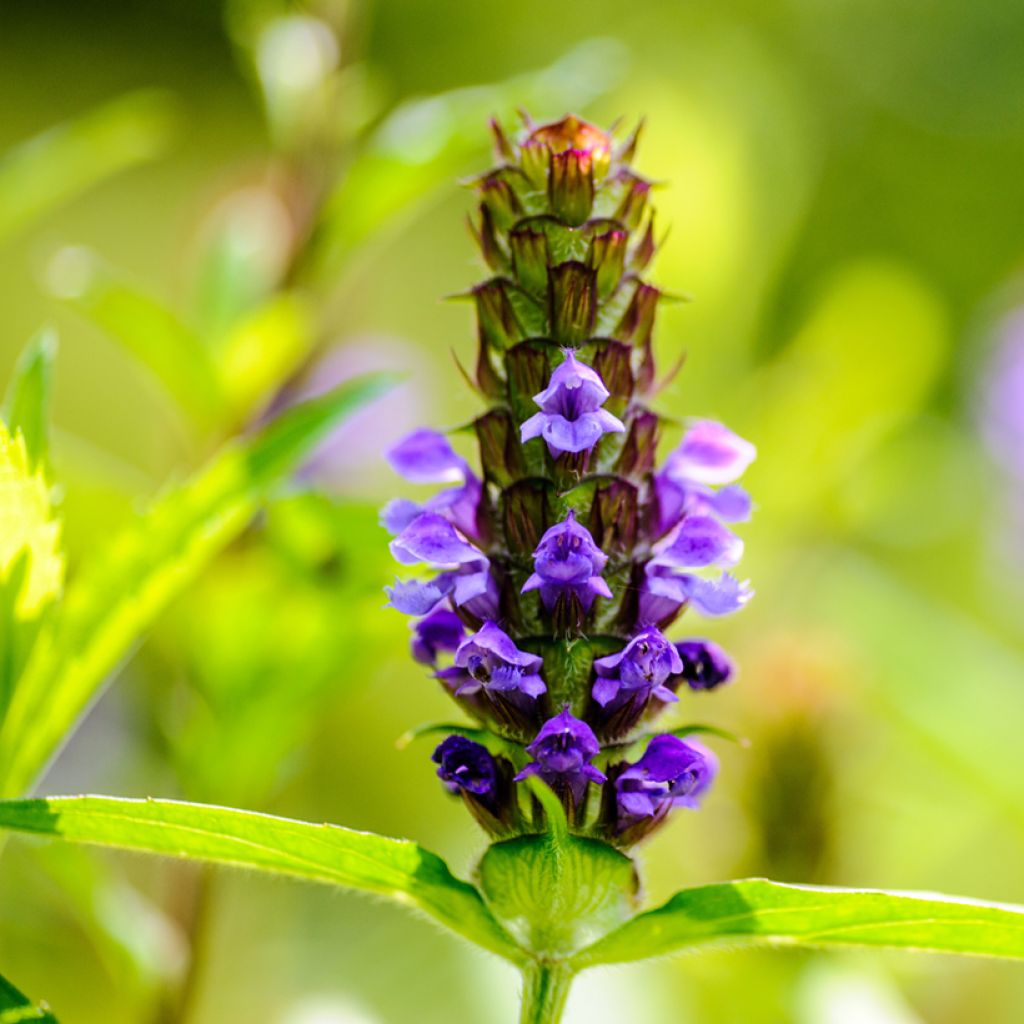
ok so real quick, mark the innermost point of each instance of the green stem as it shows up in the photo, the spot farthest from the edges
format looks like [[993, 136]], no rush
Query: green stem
[[546, 988]]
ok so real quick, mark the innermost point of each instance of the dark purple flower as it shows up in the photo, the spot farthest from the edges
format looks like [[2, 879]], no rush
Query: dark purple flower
[[426, 457], [571, 418], [466, 766], [489, 660], [640, 670], [665, 592], [671, 773], [441, 630], [562, 752], [567, 561], [705, 664]]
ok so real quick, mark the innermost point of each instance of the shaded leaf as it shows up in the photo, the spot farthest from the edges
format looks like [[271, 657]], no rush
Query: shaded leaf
[[66, 160], [145, 327], [759, 912], [397, 868]]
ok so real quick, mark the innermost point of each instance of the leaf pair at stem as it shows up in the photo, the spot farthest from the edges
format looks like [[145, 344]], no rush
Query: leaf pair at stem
[[748, 912]]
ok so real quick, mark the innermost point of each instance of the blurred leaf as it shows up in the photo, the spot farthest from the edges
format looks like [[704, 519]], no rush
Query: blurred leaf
[[149, 331], [865, 361], [338, 856], [118, 595], [264, 349], [759, 912], [27, 404], [66, 160], [16, 1008], [424, 142]]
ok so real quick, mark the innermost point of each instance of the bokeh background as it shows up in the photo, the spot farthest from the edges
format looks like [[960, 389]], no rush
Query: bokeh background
[[843, 192]]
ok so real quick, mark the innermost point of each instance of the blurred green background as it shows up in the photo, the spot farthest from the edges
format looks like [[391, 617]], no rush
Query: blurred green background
[[843, 192]]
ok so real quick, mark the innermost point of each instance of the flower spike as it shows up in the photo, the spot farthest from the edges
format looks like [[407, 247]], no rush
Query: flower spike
[[552, 571]]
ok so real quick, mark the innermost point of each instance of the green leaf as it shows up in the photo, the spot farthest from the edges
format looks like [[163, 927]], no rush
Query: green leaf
[[144, 326], [55, 166], [759, 912], [117, 596], [397, 868], [27, 405], [17, 1008]]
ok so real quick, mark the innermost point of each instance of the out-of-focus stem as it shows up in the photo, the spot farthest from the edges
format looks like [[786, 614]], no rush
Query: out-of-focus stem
[[545, 991], [194, 914]]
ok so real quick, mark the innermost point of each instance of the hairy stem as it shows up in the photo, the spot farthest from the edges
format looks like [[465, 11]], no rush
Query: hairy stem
[[546, 988]]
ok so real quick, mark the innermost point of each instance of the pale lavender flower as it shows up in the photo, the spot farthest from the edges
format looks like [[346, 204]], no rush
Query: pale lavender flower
[[571, 418]]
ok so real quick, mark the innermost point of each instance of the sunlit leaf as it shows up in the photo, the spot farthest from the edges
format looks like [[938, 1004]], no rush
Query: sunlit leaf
[[759, 912], [66, 160], [27, 405], [17, 1008], [397, 868], [116, 596], [27, 524]]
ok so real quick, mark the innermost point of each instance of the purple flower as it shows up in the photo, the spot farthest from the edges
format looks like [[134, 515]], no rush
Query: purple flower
[[568, 562], [671, 773], [571, 418], [441, 630], [709, 454], [639, 670], [433, 539], [697, 542], [675, 499], [426, 457], [490, 660], [705, 665], [562, 752], [665, 592], [413, 597], [466, 766]]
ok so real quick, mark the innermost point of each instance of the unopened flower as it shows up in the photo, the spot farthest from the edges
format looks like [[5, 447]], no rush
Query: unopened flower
[[705, 664], [571, 418], [562, 753], [466, 765]]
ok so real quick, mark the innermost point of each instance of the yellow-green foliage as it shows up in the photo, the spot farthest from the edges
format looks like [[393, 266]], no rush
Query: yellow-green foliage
[[27, 524]]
